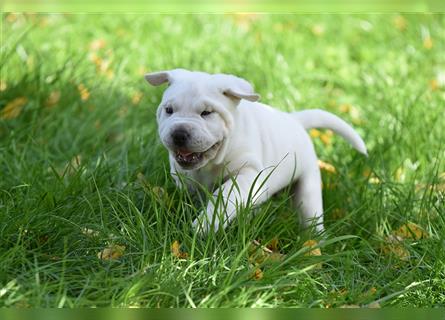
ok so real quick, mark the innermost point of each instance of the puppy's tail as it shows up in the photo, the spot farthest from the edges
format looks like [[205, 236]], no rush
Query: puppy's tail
[[315, 118]]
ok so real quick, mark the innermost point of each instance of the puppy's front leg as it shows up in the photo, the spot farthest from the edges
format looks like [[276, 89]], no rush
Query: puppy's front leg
[[235, 193]]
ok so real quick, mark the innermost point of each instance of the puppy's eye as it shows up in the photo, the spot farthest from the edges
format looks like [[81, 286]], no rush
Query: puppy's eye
[[205, 113], [168, 110]]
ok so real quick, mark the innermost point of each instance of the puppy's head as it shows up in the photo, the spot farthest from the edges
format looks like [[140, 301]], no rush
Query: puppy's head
[[195, 116]]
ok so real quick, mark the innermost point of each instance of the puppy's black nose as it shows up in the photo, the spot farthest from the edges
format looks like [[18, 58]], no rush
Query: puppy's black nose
[[180, 137]]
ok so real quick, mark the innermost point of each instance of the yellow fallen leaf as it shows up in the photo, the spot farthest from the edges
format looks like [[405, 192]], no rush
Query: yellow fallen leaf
[[394, 246], [400, 23], [313, 252], [83, 91], [53, 99], [112, 252], [257, 274], [411, 230], [314, 133], [176, 251], [259, 254], [326, 166], [13, 108], [273, 244], [427, 42]]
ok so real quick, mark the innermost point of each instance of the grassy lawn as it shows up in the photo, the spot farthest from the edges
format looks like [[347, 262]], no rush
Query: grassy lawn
[[89, 215]]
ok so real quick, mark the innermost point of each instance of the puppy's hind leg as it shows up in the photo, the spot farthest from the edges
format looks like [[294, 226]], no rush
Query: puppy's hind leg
[[307, 197]]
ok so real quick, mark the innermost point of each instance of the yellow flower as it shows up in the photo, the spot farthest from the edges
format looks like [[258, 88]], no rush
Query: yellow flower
[[13, 108]]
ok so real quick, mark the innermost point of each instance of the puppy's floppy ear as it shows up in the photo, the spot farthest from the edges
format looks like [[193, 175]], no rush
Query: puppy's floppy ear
[[157, 78], [241, 95], [236, 88]]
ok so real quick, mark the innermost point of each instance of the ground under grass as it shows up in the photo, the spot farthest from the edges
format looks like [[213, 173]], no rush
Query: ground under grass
[[82, 169]]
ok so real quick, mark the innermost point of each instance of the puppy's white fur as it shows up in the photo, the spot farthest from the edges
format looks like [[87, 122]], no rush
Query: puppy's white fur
[[259, 149]]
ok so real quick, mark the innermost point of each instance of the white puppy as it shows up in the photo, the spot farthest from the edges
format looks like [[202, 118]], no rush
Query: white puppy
[[213, 127]]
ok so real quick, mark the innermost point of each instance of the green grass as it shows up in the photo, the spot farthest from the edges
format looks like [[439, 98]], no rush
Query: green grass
[[97, 163]]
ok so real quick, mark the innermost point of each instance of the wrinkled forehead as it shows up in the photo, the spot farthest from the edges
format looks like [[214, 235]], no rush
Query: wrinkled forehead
[[189, 92]]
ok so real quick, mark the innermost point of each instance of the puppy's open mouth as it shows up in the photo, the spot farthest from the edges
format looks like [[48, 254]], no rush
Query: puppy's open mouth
[[187, 159]]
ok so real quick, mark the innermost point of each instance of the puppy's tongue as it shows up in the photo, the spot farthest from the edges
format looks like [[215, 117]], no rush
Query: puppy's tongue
[[184, 153]]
